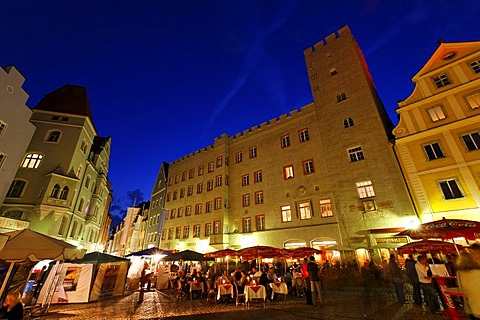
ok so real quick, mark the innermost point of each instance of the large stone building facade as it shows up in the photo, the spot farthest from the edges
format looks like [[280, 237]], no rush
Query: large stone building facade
[[61, 187], [325, 174], [437, 137]]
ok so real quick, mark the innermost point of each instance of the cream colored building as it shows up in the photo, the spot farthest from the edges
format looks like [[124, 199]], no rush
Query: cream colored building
[[438, 139], [61, 186], [317, 176]]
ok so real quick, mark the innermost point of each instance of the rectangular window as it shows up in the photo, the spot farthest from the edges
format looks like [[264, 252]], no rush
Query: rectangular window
[[218, 182], [16, 189], [196, 231], [199, 188], [218, 203], [436, 113], [209, 206], [170, 234], [308, 167], [186, 232], [259, 197], [211, 166], [304, 210], [253, 152], [257, 175], [365, 189], [191, 173], [247, 224], [217, 227], [246, 200], [180, 212], [164, 234], [3, 128], [238, 157], [198, 208], [173, 212], [450, 189], [325, 208], [201, 169], [168, 196], [441, 80], [175, 195], [260, 222], [475, 65], [184, 175], [433, 151], [170, 181], [3, 157], [473, 100], [219, 161], [209, 185], [177, 178], [208, 229], [182, 193], [189, 191], [303, 135], [356, 154], [288, 172], [341, 97], [286, 214], [178, 232], [471, 140], [245, 180], [285, 141], [188, 211]]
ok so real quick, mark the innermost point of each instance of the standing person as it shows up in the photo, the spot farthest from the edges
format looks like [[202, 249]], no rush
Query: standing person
[[12, 306], [429, 292], [306, 280], [315, 285], [468, 278], [397, 278], [413, 276]]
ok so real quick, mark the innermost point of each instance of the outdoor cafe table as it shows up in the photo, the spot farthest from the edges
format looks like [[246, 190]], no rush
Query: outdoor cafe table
[[255, 292], [447, 293], [279, 287], [225, 289]]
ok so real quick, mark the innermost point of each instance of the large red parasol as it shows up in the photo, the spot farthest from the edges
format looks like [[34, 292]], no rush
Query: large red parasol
[[260, 251], [302, 252], [425, 246], [221, 253], [445, 229]]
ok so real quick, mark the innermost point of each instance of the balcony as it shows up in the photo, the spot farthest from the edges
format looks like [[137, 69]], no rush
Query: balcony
[[10, 224]]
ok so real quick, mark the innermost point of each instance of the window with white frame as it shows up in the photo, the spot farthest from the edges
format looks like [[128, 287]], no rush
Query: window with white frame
[[188, 211], [218, 181], [191, 173], [473, 100], [247, 224], [209, 206], [3, 157], [308, 167], [441, 80], [3, 128], [182, 193], [450, 189], [218, 203], [173, 213], [246, 200], [245, 180], [199, 188], [178, 232], [475, 65], [259, 197], [260, 222], [170, 234], [303, 135], [196, 231], [325, 208], [285, 141], [208, 229], [209, 185], [304, 209], [32, 160], [198, 208], [201, 170], [433, 151], [211, 166], [365, 189], [356, 154], [436, 113], [219, 161], [186, 232], [257, 175], [288, 172], [189, 191], [217, 227], [180, 212], [253, 152], [286, 214], [238, 157], [472, 141], [16, 189], [53, 136], [177, 178]]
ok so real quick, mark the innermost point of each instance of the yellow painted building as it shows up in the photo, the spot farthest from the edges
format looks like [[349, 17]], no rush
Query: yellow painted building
[[438, 139]]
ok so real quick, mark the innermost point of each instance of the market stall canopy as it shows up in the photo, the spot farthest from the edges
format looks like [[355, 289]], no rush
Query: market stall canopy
[[187, 255], [23, 244], [426, 246], [445, 229], [150, 252]]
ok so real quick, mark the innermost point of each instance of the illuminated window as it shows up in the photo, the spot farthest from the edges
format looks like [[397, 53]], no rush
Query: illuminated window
[[365, 189], [326, 208], [16, 189], [238, 157], [253, 152], [188, 211], [433, 151], [198, 208], [436, 113], [259, 197], [170, 234], [247, 224], [218, 181], [209, 206], [182, 193], [189, 191], [472, 141], [347, 123], [286, 214], [246, 200], [209, 185], [303, 135], [308, 167], [473, 100], [304, 210], [191, 174], [170, 181], [218, 203], [211, 165], [186, 232], [173, 213], [245, 180], [201, 169], [450, 189], [475, 65], [257, 175], [196, 231], [217, 227], [288, 172], [260, 222], [178, 232], [208, 229], [83, 147], [180, 212], [199, 188], [219, 161], [32, 160], [356, 154], [285, 141], [441, 80], [341, 97]]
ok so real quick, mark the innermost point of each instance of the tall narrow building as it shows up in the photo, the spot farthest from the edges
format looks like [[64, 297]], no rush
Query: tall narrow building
[[61, 187]]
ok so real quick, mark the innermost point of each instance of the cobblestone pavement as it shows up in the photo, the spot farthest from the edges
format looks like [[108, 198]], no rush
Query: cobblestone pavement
[[343, 300]]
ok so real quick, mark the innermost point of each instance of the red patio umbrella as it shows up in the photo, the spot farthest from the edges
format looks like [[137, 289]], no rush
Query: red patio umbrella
[[445, 229], [426, 246], [221, 253], [302, 252], [260, 251]]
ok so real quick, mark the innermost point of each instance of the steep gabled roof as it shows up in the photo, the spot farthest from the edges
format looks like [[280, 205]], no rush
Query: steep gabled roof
[[69, 99], [447, 53]]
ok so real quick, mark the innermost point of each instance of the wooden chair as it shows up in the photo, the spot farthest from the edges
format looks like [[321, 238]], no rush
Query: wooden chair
[[239, 297], [211, 292]]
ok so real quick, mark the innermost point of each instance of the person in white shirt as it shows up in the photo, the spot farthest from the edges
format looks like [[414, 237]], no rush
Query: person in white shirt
[[429, 292]]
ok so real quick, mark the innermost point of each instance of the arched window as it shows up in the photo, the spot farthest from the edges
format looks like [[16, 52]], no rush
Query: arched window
[[54, 136], [32, 160], [80, 205], [87, 181], [83, 147], [55, 191], [74, 229], [63, 226], [350, 122], [64, 193], [345, 123]]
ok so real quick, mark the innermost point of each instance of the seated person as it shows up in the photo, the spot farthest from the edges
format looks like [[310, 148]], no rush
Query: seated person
[[242, 282], [224, 278], [12, 306]]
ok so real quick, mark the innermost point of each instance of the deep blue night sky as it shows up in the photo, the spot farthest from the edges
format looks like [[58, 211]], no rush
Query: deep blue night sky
[[165, 78]]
